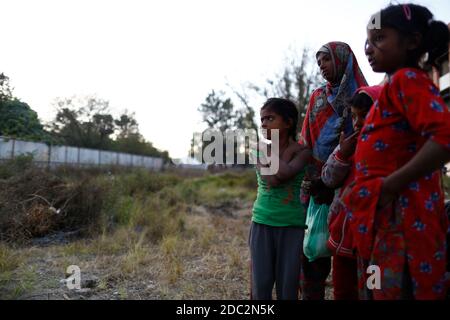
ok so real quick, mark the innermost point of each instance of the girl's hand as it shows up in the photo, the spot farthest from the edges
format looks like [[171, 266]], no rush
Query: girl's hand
[[388, 194], [306, 186], [324, 196], [319, 191], [348, 145], [314, 186]]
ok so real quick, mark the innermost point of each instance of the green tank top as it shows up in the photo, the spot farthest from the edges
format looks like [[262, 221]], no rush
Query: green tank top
[[279, 206]]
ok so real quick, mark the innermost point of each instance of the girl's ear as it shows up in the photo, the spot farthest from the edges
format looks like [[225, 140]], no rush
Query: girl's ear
[[290, 122], [414, 41]]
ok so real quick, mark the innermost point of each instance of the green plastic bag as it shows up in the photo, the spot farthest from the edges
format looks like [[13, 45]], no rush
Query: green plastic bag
[[317, 234]]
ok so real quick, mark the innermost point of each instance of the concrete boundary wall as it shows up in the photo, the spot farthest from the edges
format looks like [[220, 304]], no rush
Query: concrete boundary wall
[[65, 155]]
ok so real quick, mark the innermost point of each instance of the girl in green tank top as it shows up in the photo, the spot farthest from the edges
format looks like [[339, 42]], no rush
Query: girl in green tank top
[[278, 199], [279, 206], [278, 218]]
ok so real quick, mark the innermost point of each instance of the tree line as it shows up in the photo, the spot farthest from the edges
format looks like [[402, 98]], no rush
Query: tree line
[[85, 122], [298, 77]]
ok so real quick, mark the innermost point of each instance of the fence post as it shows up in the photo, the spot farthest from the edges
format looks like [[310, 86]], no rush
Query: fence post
[[49, 154], [13, 147]]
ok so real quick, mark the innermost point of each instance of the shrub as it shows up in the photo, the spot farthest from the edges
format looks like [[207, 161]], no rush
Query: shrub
[[15, 166]]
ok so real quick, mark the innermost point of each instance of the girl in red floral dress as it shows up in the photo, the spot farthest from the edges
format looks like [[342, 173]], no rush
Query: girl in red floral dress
[[338, 172], [397, 201]]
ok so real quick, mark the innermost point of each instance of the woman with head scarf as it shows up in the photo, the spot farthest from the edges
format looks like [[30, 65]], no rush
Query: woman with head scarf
[[327, 115]]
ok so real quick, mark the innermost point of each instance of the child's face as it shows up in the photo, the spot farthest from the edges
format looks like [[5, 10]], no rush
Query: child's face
[[271, 120], [326, 66], [385, 50], [358, 117]]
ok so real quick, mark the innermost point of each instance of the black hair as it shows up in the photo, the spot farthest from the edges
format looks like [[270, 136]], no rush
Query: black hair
[[361, 101], [410, 18], [287, 110]]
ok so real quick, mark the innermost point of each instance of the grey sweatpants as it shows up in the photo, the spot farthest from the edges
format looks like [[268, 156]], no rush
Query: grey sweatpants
[[275, 259]]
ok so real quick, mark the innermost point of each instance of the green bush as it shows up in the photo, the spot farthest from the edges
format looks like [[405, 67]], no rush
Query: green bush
[[37, 202], [16, 166], [143, 181]]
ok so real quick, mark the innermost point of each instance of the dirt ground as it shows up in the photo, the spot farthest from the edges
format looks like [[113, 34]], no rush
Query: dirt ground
[[210, 260]]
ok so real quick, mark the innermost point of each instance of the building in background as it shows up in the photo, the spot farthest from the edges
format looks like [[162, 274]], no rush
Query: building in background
[[441, 76]]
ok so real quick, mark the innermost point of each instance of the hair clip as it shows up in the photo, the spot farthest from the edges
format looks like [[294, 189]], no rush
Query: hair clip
[[430, 21], [407, 11]]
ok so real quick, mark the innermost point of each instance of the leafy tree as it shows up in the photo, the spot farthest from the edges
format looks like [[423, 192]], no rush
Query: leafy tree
[[83, 122], [219, 113], [127, 125], [296, 81], [87, 122], [5, 88], [17, 119], [136, 144], [298, 78]]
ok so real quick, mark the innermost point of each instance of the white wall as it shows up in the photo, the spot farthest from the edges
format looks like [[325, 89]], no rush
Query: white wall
[[10, 148]]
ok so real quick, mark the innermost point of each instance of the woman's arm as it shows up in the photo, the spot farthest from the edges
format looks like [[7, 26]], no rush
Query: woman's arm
[[335, 170]]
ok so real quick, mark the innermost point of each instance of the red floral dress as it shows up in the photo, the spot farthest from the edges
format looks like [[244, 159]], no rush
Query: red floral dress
[[407, 240]]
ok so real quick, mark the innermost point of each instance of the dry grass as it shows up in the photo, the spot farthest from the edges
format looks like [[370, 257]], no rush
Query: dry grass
[[15, 274], [206, 261], [177, 239], [9, 259]]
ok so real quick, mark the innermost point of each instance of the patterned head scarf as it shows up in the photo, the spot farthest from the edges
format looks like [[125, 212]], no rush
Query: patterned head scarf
[[348, 74], [324, 123], [373, 92]]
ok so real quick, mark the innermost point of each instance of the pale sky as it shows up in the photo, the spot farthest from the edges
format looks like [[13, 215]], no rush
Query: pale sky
[[161, 58]]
